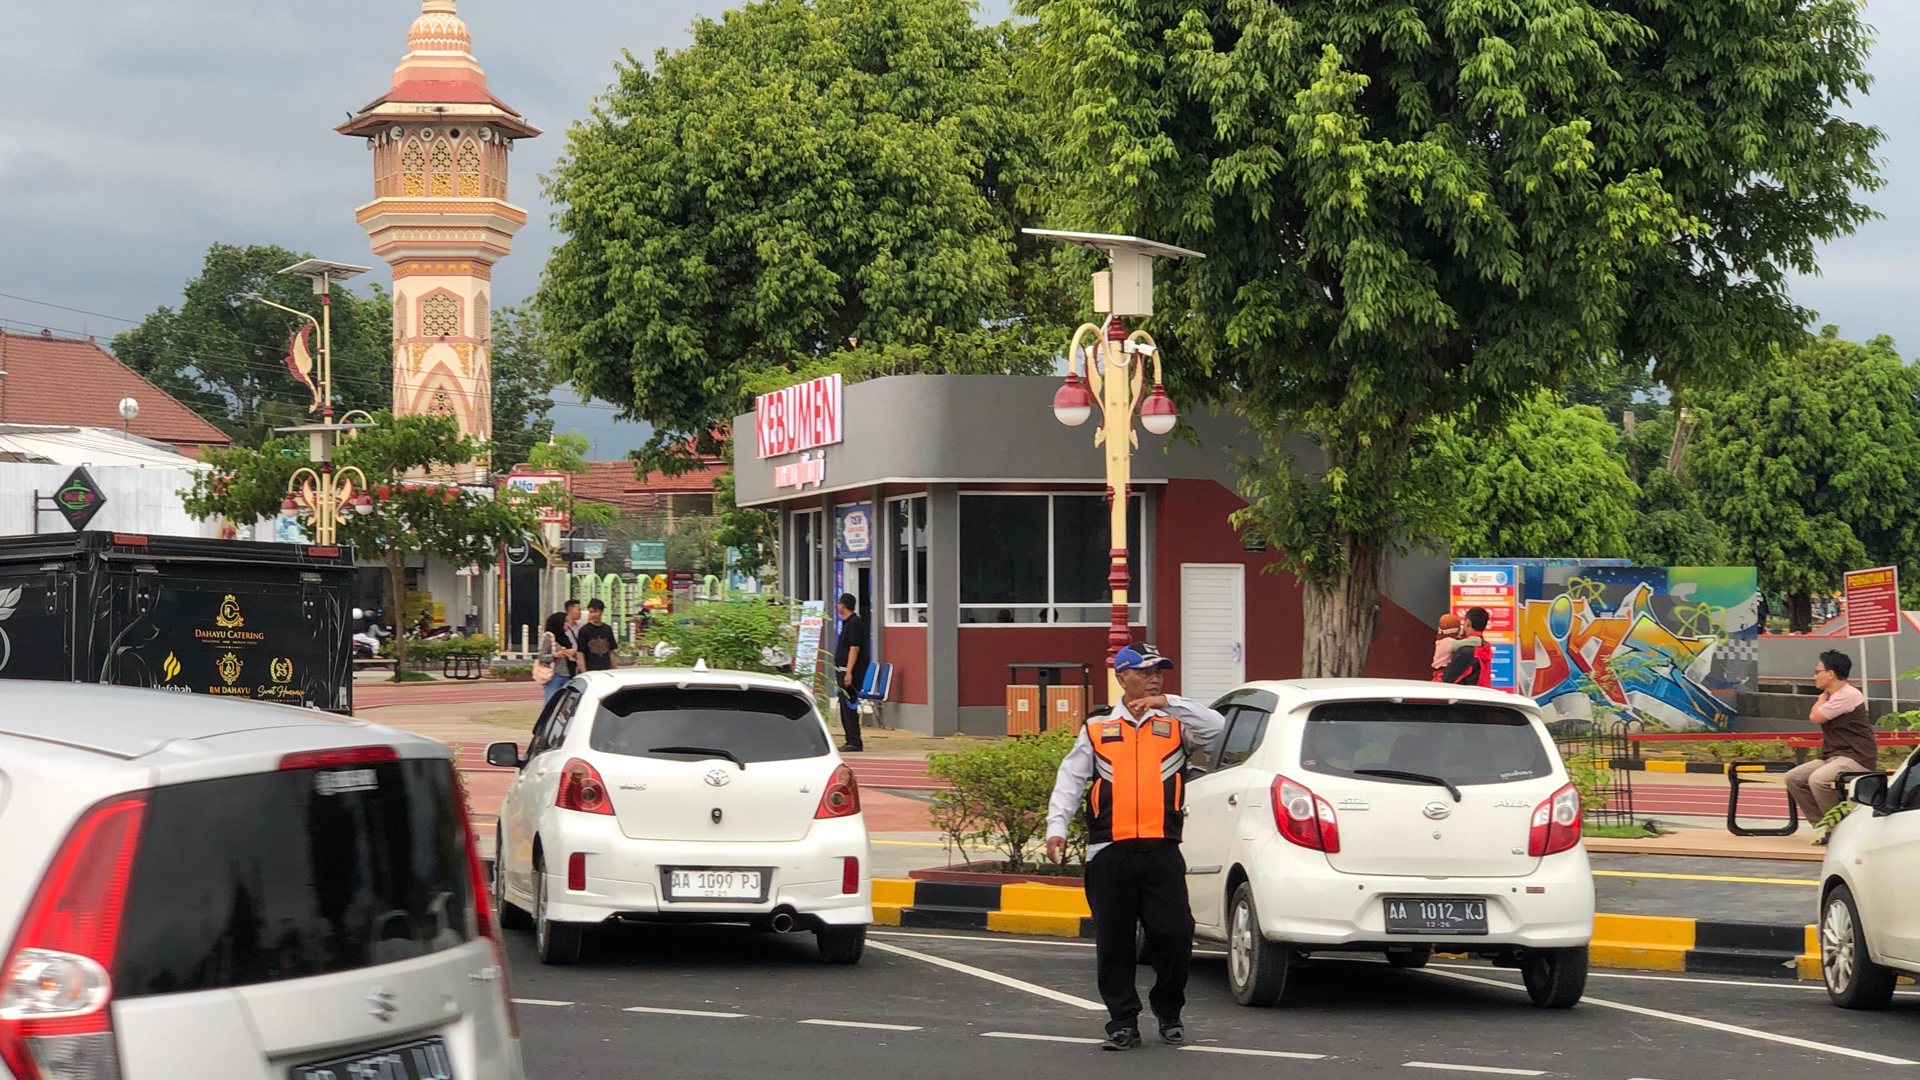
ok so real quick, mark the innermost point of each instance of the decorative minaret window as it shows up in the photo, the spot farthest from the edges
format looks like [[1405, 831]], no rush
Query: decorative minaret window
[[442, 162], [441, 405], [482, 318], [440, 316], [413, 169], [470, 168]]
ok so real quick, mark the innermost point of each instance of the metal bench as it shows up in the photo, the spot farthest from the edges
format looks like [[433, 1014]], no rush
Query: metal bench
[[1739, 776], [461, 665]]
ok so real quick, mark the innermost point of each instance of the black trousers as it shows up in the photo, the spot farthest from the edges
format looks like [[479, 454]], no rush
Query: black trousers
[[850, 715], [1141, 883]]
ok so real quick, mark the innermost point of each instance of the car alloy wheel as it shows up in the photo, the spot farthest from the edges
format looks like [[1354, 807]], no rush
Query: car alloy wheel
[[509, 916], [556, 943], [1256, 967], [1836, 946], [1240, 944]]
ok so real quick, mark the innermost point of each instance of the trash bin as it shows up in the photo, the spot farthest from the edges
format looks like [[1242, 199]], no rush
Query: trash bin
[[1045, 703]]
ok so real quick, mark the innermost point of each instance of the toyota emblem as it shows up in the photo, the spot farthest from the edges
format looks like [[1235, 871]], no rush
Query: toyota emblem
[[1436, 810], [719, 778]]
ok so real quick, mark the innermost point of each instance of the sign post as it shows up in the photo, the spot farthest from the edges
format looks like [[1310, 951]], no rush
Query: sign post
[[1497, 589], [1873, 610]]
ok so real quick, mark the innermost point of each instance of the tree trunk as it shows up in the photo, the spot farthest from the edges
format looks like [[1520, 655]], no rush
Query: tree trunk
[[397, 577], [1339, 621], [1799, 613]]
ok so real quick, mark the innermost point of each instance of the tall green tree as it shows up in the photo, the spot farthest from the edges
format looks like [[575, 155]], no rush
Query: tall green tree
[[1417, 210], [407, 519], [812, 185], [523, 382], [223, 354], [1810, 466], [1550, 482]]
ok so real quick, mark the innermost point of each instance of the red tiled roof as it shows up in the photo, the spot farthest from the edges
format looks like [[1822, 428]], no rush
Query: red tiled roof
[[444, 92], [696, 481], [72, 381]]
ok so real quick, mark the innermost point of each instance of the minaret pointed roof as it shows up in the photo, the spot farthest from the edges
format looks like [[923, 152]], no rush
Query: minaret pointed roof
[[438, 76]]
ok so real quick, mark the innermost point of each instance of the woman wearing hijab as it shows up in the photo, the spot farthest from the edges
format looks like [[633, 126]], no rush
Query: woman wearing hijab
[[557, 648]]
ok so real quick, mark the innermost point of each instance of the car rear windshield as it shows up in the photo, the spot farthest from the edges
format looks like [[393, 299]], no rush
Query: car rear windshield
[[1462, 743], [284, 875], [752, 725]]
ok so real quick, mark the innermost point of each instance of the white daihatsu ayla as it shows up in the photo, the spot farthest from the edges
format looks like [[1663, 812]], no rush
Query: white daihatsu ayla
[[682, 795], [1387, 816]]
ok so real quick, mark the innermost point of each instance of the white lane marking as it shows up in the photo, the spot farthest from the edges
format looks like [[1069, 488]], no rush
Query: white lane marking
[[1037, 1038], [541, 1001], [990, 938], [861, 1024], [1470, 1068], [992, 976], [1771, 984], [1712, 1025], [1254, 1053], [684, 1012]]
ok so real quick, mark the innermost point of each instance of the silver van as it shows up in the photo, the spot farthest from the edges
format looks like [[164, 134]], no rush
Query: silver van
[[201, 887]]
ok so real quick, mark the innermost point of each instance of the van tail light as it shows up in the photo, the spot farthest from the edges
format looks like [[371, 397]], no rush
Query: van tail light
[[842, 797], [334, 759], [850, 875], [56, 987], [582, 789], [1303, 817], [485, 924], [1556, 824]]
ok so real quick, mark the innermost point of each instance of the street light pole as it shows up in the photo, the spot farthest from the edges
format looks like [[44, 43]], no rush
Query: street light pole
[[1113, 365]]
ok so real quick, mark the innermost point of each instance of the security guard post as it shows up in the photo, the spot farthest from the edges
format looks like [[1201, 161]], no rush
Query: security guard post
[[1131, 767]]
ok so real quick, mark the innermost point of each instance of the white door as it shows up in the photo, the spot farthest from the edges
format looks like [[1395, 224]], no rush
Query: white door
[[1889, 871], [1213, 629]]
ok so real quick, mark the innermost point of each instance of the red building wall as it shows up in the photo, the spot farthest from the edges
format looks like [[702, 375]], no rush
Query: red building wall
[[985, 652], [905, 647]]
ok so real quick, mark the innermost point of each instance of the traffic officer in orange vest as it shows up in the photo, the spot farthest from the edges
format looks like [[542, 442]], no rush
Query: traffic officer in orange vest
[[1130, 766]]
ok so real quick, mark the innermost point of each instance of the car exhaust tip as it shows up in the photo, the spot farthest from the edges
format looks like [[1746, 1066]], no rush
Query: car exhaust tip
[[783, 922]]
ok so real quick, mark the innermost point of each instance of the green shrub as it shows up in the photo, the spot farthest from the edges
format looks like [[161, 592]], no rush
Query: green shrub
[[726, 634], [514, 671], [1000, 793], [425, 654], [1588, 779]]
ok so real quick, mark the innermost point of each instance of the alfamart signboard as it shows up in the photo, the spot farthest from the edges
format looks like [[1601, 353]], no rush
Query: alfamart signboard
[[798, 417]]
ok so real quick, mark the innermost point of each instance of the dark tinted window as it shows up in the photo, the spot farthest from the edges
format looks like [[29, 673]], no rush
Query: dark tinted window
[[1467, 744], [1003, 549], [756, 725], [253, 879], [1243, 736]]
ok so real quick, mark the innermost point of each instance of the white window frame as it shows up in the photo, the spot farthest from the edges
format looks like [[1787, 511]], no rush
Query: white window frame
[[909, 614], [804, 572], [1136, 590]]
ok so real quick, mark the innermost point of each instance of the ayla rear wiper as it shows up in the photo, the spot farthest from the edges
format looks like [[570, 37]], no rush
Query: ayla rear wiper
[[708, 751], [1416, 777]]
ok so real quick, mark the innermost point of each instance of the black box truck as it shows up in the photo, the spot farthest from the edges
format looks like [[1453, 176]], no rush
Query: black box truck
[[230, 618]]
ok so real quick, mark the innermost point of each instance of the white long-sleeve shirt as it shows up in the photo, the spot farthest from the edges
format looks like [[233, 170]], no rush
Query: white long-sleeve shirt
[[1199, 726]]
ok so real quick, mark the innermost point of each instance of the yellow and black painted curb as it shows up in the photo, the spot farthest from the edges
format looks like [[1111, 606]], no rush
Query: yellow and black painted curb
[[1711, 768], [1634, 942]]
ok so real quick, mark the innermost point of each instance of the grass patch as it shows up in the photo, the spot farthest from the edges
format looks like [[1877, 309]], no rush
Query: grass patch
[[520, 718], [412, 676], [1636, 831]]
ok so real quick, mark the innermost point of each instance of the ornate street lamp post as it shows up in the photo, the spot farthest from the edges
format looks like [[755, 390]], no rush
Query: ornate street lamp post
[[320, 493], [1112, 363]]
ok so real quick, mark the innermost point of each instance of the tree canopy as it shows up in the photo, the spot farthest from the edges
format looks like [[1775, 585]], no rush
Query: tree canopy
[[223, 355], [1810, 465], [1549, 482], [1412, 212], [811, 184]]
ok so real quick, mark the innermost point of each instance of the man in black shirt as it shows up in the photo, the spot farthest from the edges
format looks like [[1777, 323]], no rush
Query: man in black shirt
[[850, 654], [596, 638]]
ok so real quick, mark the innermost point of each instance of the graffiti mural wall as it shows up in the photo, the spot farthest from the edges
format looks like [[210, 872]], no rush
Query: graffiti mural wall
[[1669, 644]]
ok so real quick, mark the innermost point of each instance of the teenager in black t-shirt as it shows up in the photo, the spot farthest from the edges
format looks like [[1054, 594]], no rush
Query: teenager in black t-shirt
[[596, 638]]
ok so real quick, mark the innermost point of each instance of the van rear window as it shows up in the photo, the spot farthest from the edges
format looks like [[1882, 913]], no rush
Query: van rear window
[[1463, 743], [753, 725], [285, 875]]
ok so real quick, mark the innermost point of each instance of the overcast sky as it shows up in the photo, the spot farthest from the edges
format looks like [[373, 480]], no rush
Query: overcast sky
[[136, 134]]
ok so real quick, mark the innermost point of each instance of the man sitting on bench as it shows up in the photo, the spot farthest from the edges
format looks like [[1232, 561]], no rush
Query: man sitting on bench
[[1846, 741]]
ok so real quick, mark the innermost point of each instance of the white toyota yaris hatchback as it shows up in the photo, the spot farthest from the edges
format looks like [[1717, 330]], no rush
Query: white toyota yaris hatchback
[[1388, 816], [682, 795]]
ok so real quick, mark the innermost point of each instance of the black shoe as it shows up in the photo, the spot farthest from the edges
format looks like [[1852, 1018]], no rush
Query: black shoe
[[1124, 1039], [851, 749], [1173, 1033]]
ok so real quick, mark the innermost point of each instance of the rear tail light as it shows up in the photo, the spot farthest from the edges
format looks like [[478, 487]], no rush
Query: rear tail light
[[1303, 817], [334, 759], [577, 871], [582, 789], [1556, 824], [483, 915], [842, 797], [850, 875], [55, 987]]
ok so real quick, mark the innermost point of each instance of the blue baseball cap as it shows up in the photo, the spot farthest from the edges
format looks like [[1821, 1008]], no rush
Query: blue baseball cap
[[1138, 656]]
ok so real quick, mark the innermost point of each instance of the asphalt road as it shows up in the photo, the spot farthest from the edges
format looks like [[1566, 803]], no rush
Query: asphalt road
[[1733, 890], [728, 1004]]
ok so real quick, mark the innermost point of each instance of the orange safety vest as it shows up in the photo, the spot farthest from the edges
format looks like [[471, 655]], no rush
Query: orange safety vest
[[1139, 784]]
